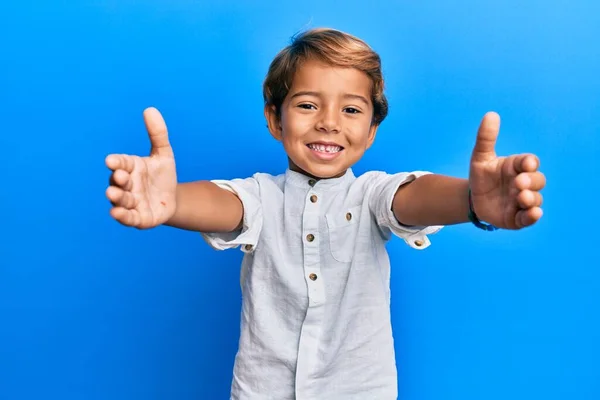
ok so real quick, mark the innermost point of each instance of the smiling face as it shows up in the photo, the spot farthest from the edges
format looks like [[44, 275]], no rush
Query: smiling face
[[325, 123]]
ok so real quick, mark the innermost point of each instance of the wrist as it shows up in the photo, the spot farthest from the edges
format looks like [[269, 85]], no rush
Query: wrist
[[474, 218]]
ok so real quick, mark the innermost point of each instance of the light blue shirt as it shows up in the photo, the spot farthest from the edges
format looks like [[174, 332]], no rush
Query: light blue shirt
[[315, 279]]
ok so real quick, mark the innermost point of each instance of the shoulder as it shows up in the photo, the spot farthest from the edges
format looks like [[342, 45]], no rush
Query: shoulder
[[258, 178], [371, 176], [259, 184], [269, 182], [375, 185], [364, 183], [376, 178], [264, 177]]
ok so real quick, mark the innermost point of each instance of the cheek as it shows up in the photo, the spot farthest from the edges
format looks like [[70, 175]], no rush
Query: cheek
[[294, 129], [359, 139], [288, 139]]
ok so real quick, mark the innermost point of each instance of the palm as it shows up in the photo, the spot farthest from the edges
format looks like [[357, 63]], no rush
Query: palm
[[143, 189], [505, 190], [154, 182]]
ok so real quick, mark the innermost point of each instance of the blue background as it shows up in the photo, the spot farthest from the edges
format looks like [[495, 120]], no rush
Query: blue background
[[93, 310]]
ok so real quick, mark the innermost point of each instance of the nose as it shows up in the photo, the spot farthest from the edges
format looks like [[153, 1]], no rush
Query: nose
[[329, 121]]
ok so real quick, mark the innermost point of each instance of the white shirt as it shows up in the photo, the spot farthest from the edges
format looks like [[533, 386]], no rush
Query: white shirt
[[315, 321]]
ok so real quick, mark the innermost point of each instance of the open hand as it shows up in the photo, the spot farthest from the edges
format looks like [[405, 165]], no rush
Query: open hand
[[142, 189], [505, 190]]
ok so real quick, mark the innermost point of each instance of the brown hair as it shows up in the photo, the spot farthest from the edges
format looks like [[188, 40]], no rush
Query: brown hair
[[334, 48]]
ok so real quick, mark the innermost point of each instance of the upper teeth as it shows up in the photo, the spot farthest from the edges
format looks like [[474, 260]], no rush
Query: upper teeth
[[328, 148]]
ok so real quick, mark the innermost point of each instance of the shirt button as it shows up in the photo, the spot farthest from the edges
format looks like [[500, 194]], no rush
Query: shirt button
[[313, 277], [248, 247], [310, 237], [312, 182], [349, 216], [313, 198], [418, 243]]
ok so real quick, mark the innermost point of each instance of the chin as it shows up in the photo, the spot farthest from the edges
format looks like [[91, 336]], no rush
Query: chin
[[325, 173]]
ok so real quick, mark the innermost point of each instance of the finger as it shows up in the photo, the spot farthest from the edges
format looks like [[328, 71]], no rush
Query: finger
[[121, 179], [120, 161], [530, 180], [525, 163], [125, 216], [157, 131], [528, 217], [528, 199], [487, 135], [120, 198]]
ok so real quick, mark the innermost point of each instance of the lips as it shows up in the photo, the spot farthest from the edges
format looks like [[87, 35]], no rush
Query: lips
[[328, 148], [325, 151]]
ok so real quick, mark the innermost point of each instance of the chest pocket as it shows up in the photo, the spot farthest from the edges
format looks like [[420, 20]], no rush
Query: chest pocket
[[343, 229]]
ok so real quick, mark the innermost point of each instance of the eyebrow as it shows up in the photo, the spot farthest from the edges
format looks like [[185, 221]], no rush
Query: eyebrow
[[317, 94]]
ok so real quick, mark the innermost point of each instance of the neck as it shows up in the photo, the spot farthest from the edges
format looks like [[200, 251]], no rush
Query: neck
[[295, 168]]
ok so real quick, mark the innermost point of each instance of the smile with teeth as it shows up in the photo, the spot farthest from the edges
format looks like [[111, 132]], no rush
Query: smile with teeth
[[324, 148]]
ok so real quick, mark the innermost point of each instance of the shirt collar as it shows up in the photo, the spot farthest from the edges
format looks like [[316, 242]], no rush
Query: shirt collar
[[303, 181]]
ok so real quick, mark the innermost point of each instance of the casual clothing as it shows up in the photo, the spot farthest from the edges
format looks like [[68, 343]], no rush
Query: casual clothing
[[315, 321]]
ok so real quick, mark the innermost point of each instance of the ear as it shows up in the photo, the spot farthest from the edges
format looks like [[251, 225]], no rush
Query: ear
[[372, 134], [273, 122]]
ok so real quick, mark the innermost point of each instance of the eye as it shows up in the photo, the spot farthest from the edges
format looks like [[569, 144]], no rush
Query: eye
[[352, 110], [306, 106]]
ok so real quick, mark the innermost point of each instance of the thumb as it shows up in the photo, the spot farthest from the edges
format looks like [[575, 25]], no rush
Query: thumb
[[487, 135], [157, 131]]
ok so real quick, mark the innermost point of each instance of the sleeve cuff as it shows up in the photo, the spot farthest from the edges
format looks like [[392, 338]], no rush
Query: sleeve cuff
[[247, 236], [415, 236]]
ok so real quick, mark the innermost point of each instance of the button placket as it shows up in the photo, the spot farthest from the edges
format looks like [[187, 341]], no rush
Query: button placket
[[313, 321], [311, 238]]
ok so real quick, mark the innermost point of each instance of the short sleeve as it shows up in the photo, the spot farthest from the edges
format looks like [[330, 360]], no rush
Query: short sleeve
[[248, 191], [380, 202]]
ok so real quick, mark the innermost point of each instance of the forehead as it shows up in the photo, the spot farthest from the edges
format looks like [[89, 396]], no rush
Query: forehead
[[316, 76]]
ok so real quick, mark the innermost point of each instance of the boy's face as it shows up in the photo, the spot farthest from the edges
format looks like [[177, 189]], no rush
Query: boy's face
[[325, 122]]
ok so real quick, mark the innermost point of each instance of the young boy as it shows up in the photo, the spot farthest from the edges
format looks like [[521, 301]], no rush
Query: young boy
[[315, 320]]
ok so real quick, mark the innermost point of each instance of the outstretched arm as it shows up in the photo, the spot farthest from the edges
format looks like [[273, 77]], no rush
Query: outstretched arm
[[144, 191], [432, 200], [505, 191], [203, 206]]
